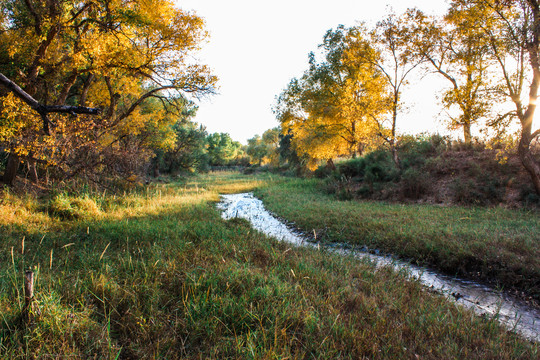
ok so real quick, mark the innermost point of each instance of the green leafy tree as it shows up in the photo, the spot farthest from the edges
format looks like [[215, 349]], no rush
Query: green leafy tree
[[257, 150], [265, 149], [188, 153], [222, 149]]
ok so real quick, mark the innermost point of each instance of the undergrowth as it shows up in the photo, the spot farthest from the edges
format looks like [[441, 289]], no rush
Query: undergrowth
[[434, 170]]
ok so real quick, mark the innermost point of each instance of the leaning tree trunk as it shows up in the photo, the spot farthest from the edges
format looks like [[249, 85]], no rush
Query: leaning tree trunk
[[330, 164], [532, 167]]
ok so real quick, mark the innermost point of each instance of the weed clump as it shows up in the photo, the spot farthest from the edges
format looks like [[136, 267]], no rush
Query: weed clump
[[67, 207]]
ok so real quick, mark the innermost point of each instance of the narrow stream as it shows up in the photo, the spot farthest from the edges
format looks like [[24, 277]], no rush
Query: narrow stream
[[516, 315]]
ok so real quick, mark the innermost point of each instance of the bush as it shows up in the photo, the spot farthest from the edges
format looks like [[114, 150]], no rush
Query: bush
[[529, 197], [352, 168], [344, 193], [415, 151], [414, 183], [432, 168], [470, 192], [464, 191], [323, 171], [376, 166]]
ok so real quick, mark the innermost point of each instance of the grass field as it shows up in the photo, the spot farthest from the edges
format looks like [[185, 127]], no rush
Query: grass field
[[497, 245], [156, 273]]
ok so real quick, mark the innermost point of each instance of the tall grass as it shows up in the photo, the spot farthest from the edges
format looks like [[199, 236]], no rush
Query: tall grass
[[158, 274]]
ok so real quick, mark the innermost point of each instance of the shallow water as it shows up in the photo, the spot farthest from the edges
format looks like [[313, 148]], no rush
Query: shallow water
[[515, 314]]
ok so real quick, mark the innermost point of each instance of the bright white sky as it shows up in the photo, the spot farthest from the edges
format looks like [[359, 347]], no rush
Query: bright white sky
[[257, 47]]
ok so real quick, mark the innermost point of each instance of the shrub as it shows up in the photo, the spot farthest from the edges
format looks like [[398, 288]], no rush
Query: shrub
[[414, 183], [470, 192], [323, 171], [365, 191], [414, 151], [352, 168], [376, 166], [344, 193], [529, 197], [382, 169]]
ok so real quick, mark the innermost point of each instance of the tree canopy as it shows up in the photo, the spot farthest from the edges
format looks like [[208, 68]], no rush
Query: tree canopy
[[113, 55], [351, 95]]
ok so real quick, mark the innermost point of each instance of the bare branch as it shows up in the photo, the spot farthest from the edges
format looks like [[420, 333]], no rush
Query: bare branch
[[141, 99], [35, 15]]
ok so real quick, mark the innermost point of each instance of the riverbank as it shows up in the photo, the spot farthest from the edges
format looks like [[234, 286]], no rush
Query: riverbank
[[514, 314], [495, 245], [158, 274]]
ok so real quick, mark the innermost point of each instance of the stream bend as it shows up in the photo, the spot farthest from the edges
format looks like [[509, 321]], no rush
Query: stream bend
[[513, 313]]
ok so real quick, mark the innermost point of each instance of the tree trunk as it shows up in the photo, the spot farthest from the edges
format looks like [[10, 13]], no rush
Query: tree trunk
[[360, 149], [32, 170], [11, 169], [467, 133], [393, 140], [330, 164], [532, 168], [524, 148], [395, 157], [527, 159]]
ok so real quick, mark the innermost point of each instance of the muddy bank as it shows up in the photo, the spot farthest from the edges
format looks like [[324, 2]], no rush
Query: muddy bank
[[514, 313]]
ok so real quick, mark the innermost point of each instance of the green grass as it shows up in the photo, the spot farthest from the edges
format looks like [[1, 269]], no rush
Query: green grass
[[494, 244], [158, 274]]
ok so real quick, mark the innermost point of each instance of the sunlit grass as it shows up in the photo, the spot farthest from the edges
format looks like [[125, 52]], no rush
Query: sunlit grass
[[156, 273]]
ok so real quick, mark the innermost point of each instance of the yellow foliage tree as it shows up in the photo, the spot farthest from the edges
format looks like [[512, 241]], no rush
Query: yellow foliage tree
[[456, 49], [111, 54], [331, 110]]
